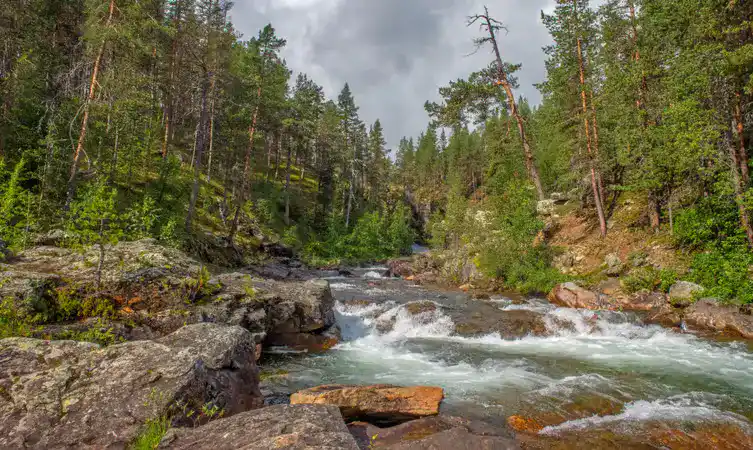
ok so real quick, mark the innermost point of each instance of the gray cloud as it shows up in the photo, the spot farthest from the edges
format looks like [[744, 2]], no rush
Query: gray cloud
[[395, 54]]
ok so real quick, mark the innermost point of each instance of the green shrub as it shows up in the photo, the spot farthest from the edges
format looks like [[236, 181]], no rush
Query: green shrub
[[374, 237], [12, 324], [649, 279], [725, 273]]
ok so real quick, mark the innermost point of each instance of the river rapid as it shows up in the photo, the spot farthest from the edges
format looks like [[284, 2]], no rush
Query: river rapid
[[603, 380]]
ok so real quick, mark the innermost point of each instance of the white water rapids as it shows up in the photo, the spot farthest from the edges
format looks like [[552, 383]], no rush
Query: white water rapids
[[651, 373]]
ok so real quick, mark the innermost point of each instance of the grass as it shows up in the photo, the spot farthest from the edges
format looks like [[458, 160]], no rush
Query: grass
[[151, 435]]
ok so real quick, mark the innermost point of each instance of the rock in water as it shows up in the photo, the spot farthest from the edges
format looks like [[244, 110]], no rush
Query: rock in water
[[570, 295], [707, 313], [274, 427], [378, 403], [64, 394], [436, 433]]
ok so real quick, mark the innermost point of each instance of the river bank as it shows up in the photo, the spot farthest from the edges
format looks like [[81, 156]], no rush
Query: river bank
[[196, 357]]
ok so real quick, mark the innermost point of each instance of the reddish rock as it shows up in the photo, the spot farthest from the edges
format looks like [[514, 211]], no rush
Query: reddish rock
[[306, 342], [401, 267], [438, 432], [381, 403], [570, 295], [524, 424], [709, 314]]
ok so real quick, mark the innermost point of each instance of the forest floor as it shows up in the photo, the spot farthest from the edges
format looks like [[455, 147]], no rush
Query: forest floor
[[583, 251]]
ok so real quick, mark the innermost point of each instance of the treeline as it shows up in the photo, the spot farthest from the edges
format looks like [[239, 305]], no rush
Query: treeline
[[156, 118], [649, 100]]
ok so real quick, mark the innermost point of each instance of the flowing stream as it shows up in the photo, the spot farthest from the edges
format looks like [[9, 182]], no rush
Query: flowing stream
[[605, 373]]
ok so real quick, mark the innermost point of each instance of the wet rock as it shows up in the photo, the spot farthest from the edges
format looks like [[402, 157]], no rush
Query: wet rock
[[665, 315], [681, 294], [345, 273], [486, 319], [646, 301], [418, 433], [570, 295], [276, 250], [306, 342], [275, 427], [401, 267], [709, 314], [64, 394], [456, 439], [378, 403], [298, 307], [273, 271], [416, 308]]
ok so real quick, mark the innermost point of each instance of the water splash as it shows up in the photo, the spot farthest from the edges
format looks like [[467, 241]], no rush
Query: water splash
[[681, 408]]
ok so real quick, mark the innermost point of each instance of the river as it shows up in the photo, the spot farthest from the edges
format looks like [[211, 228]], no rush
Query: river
[[592, 380]]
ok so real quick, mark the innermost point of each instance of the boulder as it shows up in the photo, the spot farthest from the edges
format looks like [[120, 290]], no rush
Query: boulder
[[709, 314], [485, 319], [545, 207], [559, 198], [65, 394], [378, 403], [32, 293], [306, 342], [274, 427], [614, 265], [683, 292], [277, 250], [570, 295], [401, 267], [439, 433]]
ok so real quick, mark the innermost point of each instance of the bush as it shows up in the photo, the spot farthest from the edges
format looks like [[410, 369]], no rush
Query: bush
[[504, 239], [649, 279], [725, 273], [374, 237], [724, 265]]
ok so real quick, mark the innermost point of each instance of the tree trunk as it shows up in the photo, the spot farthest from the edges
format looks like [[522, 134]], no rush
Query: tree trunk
[[101, 252], [200, 143], [599, 180], [504, 81], [350, 196], [170, 91], [287, 182], [85, 121], [211, 132], [241, 197], [654, 210], [739, 159], [277, 158], [741, 144], [594, 176]]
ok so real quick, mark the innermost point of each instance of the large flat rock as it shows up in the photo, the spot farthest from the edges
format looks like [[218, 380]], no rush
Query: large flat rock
[[378, 403], [276, 427], [437, 433], [65, 395]]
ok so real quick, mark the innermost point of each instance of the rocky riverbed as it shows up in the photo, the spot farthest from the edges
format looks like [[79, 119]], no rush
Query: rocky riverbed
[[279, 356]]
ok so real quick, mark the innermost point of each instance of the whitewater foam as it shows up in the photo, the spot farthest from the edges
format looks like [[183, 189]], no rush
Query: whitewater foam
[[679, 408]]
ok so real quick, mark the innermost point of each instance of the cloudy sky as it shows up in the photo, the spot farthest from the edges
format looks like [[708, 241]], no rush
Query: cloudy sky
[[395, 54]]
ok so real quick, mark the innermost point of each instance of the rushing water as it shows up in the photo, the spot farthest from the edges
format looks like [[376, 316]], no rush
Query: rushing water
[[607, 371]]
